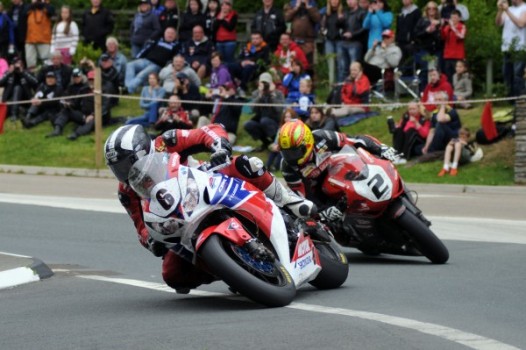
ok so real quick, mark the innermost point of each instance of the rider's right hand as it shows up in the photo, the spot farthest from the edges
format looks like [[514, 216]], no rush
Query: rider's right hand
[[331, 214], [157, 248]]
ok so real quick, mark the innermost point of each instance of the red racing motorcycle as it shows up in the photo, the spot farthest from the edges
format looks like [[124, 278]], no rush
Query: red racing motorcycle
[[380, 213]]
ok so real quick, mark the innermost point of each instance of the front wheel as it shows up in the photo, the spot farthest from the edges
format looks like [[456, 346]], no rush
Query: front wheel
[[334, 266], [426, 241], [267, 283]]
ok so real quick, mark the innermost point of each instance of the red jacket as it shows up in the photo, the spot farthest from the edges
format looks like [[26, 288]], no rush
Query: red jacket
[[423, 131], [226, 28], [356, 92], [453, 45], [184, 142], [431, 89], [285, 57]]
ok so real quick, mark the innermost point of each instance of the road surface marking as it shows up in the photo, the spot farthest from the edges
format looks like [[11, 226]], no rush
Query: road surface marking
[[470, 340]]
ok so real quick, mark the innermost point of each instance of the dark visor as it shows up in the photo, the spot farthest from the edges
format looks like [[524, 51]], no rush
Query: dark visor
[[292, 155], [121, 169]]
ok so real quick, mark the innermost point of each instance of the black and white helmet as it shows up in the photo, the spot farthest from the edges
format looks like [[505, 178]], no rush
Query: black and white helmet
[[124, 147]]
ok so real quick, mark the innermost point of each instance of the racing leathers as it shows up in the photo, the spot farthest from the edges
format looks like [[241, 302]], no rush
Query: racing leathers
[[177, 271]]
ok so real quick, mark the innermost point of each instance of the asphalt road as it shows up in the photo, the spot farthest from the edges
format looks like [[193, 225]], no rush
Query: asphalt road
[[107, 292]]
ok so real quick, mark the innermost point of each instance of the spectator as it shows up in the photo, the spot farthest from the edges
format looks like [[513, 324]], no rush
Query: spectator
[[168, 73], [62, 71], [173, 116], [364, 4], [220, 75], [149, 102], [405, 30], [18, 84], [41, 108], [212, 10], [118, 59], [189, 95], [379, 18], [291, 81], [410, 133], [437, 83], [86, 120], [332, 23], [264, 124], [269, 21], [383, 55], [111, 79], [445, 124], [428, 40], [18, 15], [71, 108], [459, 150], [305, 99], [7, 34], [38, 36], [513, 20], [304, 17], [287, 52], [462, 84], [97, 24], [353, 34], [321, 120], [197, 51], [355, 93], [447, 6], [225, 30], [169, 17], [157, 8], [144, 26], [274, 157], [453, 34], [192, 17], [4, 67], [224, 113], [150, 60], [65, 37], [251, 60]]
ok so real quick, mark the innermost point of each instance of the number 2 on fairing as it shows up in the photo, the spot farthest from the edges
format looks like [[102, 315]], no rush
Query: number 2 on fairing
[[376, 184]]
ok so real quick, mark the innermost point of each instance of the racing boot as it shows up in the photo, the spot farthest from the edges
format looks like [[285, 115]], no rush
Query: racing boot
[[284, 197]]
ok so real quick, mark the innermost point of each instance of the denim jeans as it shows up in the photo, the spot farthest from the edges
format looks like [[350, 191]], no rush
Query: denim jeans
[[148, 118], [331, 48], [227, 50], [137, 72], [513, 72], [348, 52]]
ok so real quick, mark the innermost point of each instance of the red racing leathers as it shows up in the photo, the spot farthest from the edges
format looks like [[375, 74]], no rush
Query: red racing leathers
[[178, 272]]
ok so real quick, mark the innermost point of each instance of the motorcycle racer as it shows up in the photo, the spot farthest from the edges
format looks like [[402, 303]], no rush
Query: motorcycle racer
[[129, 143], [305, 154]]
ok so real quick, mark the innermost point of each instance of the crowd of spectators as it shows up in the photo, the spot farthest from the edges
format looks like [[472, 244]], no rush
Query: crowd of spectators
[[192, 55]]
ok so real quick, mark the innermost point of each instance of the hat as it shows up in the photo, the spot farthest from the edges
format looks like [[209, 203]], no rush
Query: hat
[[76, 72], [50, 74], [267, 78], [91, 75], [229, 85], [388, 33], [181, 75], [105, 57]]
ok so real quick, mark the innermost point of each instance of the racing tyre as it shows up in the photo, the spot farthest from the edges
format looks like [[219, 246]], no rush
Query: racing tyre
[[267, 283], [426, 241], [334, 266]]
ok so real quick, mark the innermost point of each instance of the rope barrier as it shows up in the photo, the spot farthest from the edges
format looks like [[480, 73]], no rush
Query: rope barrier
[[392, 105]]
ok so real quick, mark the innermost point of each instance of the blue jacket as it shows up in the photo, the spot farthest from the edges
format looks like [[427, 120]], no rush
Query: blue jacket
[[377, 22]]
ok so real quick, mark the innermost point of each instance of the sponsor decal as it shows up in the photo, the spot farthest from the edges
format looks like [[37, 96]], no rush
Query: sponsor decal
[[233, 225], [303, 248], [304, 262]]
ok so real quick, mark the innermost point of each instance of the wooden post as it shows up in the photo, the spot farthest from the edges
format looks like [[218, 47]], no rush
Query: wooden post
[[98, 118], [520, 141], [489, 77]]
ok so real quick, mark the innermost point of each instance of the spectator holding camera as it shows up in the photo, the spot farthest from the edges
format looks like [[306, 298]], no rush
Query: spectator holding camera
[[169, 72], [264, 124], [62, 71], [172, 116], [44, 105], [224, 28], [410, 133], [512, 19], [379, 18], [18, 84], [189, 93], [453, 34]]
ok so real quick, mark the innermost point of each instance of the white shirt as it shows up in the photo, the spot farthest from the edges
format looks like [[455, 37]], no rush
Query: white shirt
[[510, 31]]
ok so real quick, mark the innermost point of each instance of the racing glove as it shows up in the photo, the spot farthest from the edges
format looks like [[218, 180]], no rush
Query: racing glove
[[157, 248], [222, 152], [390, 153], [331, 214]]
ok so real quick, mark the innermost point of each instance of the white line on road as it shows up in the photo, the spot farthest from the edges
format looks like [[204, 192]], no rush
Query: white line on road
[[470, 340]]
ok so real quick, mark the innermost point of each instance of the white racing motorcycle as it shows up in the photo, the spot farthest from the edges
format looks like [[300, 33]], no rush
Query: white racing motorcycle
[[242, 237]]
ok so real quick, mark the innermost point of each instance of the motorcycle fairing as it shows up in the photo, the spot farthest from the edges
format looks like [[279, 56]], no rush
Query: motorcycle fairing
[[232, 229], [305, 261]]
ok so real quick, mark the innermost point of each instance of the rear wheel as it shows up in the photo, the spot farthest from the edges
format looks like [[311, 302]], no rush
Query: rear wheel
[[265, 282], [334, 266], [425, 240]]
